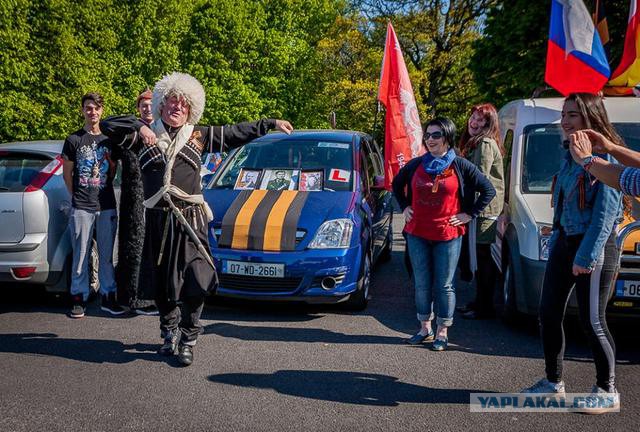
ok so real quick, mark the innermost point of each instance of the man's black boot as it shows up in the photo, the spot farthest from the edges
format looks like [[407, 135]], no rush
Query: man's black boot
[[170, 345], [185, 354]]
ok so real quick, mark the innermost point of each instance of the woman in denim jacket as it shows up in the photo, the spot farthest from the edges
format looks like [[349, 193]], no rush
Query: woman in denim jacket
[[582, 252], [437, 195]]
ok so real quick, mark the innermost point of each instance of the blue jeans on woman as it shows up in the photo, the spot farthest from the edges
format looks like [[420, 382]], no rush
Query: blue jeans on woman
[[434, 266]]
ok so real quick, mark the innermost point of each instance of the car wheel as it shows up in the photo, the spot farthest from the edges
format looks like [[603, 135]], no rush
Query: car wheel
[[509, 307], [359, 299]]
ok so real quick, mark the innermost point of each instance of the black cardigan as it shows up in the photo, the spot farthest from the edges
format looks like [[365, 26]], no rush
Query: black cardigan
[[470, 178]]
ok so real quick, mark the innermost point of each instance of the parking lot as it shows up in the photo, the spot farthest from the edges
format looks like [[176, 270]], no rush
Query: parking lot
[[285, 367]]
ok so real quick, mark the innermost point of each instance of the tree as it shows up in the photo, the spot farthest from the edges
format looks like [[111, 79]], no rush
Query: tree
[[509, 61], [437, 38]]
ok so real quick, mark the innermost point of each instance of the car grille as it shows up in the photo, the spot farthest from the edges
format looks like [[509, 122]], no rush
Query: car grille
[[259, 284]]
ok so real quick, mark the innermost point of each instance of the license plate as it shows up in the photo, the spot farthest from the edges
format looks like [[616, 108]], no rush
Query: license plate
[[625, 288], [253, 269]]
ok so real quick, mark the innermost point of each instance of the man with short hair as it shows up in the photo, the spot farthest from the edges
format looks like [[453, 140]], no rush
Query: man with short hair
[[88, 173], [176, 260], [144, 106]]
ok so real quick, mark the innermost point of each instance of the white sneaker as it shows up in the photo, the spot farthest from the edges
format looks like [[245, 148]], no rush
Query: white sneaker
[[545, 386], [601, 401]]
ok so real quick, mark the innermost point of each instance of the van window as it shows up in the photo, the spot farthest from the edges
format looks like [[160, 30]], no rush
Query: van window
[[543, 153]]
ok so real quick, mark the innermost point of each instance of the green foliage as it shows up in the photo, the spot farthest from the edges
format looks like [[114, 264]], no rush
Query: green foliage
[[255, 59], [294, 59]]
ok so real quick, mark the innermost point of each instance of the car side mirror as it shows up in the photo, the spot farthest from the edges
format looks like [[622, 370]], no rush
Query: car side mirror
[[206, 179], [378, 183]]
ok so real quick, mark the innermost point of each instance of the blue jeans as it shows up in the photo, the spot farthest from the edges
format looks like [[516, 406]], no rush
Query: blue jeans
[[82, 224], [434, 266]]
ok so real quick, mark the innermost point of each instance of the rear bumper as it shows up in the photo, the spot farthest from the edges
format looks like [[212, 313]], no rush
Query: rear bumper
[[304, 272], [30, 252]]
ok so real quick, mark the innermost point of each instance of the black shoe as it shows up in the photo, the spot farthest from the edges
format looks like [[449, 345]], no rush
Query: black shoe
[[170, 345], [109, 304], [476, 315], [78, 307], [418, 338], [185, 354], [146, 310]]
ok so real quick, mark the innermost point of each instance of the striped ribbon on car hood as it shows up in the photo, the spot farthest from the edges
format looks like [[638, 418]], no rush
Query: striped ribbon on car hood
[[263, 220]]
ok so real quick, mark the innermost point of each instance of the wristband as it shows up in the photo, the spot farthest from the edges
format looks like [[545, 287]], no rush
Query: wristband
[[589, 163]]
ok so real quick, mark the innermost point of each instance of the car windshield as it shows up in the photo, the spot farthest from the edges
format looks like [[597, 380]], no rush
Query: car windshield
[[287, 164], [543, 153], [17, 169]]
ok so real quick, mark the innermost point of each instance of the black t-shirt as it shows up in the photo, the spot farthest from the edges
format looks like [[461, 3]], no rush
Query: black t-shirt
[[93, 170]]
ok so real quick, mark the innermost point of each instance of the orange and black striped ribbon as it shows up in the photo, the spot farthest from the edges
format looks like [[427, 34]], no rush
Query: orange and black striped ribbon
[[263, 220]]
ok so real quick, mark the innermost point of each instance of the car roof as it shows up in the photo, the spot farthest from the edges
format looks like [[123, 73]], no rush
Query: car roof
[[313, 134], [52, 147]]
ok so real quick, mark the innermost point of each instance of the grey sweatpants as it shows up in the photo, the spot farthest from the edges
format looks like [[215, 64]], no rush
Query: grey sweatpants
[[82, 224]]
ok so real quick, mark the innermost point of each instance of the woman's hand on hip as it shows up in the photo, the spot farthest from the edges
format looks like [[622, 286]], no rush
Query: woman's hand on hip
[[459, 219], [408, 214], [578, 270]]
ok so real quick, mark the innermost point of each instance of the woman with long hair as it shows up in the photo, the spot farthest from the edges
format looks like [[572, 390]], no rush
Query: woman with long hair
[[582, 251], [437, 194], [480, 144]]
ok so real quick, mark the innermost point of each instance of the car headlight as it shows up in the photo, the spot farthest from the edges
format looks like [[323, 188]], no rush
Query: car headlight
[[544, 235], [333, 234]]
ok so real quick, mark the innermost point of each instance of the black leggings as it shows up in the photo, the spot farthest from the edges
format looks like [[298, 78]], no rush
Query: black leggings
[[592, 293], [486, 276]]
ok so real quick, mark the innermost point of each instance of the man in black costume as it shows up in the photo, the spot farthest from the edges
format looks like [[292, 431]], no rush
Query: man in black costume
[[176, 261]]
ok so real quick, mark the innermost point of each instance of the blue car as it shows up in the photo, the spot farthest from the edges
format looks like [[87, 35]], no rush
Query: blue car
[[300, 217]]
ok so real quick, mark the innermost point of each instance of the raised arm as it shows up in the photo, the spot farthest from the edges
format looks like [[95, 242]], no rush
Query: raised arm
[[224, 138], [582, 144], [127, 131]]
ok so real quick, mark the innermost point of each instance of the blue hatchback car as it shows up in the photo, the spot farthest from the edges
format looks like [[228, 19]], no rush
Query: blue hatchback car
[[300, 217]]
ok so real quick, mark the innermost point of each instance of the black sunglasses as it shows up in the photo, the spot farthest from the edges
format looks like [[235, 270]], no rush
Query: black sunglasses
[[434, 135]]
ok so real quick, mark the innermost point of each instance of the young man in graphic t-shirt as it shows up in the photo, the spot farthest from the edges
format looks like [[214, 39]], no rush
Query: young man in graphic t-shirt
[[88, 173]]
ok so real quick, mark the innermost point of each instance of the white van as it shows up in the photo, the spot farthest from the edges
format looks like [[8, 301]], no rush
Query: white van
[[531, 134]]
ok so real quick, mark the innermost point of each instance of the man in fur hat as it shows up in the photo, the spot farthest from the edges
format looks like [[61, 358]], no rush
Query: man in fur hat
[[176, 261]]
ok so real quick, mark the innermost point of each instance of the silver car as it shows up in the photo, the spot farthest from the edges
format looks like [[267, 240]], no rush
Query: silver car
[[35, 244]]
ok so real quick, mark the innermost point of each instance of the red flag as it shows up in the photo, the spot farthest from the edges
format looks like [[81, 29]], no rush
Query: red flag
[[627, 74], [403, 132]]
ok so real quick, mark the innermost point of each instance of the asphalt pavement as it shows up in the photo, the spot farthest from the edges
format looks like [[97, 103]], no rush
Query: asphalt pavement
[[286, 367]]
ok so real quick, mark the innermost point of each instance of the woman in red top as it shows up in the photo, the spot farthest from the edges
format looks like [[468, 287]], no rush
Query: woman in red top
[[437, 192]]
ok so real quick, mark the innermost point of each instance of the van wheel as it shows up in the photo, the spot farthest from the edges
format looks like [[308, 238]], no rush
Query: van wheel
[[359, 299], [509, 307]]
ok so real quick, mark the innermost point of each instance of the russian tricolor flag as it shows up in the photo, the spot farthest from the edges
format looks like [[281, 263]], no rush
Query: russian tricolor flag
[[576, 61]]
